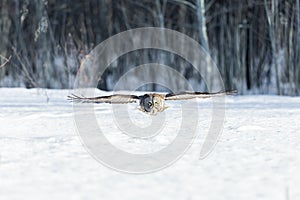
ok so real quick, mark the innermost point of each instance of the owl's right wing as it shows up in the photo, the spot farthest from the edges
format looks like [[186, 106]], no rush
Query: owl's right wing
[[113, 99]]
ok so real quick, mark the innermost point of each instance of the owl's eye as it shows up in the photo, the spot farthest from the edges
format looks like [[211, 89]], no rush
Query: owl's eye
[[146, 103]]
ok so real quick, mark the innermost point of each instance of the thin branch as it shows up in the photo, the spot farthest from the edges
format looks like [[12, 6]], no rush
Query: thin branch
[[27, 74], [6, 60]]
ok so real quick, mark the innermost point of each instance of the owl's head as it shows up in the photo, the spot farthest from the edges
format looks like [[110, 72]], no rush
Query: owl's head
[[152, 103]]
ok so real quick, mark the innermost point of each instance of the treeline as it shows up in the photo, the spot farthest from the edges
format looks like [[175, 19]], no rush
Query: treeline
[[255, 43]]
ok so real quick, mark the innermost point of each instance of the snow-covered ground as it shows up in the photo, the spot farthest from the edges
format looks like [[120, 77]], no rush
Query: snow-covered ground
[[41, 156]]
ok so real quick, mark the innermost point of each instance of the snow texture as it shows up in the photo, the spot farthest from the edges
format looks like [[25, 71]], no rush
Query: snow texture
[[41, 155]]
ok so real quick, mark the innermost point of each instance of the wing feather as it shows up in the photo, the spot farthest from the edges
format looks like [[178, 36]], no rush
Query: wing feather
[[192, 95], [113, 99]]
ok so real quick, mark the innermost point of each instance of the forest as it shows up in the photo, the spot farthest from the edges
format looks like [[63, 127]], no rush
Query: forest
[[254, 43]]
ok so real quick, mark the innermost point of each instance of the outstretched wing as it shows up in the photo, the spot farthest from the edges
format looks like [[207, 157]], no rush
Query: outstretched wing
[[192, 95], [114, 99]]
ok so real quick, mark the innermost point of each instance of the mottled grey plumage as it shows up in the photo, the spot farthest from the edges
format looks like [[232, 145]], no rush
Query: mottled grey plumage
[[149, 103]]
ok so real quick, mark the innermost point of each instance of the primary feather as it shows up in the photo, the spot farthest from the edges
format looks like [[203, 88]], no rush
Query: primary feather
[[192, 95]]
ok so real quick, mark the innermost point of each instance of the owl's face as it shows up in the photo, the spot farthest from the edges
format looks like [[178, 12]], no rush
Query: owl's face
[[152, 103]]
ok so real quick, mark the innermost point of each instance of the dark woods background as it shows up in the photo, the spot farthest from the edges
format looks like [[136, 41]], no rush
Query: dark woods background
[[255, 43]]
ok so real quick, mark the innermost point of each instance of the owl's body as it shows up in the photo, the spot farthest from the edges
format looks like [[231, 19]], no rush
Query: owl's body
[[152, 103], [149, 103]]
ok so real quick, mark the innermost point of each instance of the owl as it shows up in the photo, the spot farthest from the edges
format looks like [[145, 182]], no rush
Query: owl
[[151, 103]]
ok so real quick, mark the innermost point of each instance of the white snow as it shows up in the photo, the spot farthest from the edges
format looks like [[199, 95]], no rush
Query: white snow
[[41, 155]]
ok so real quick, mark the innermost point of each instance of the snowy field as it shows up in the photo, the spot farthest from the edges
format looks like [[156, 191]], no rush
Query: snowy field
[[41, 156]]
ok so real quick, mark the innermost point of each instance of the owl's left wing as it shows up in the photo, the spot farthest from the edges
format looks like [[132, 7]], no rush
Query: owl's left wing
[[113, 99], [192, 95]]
